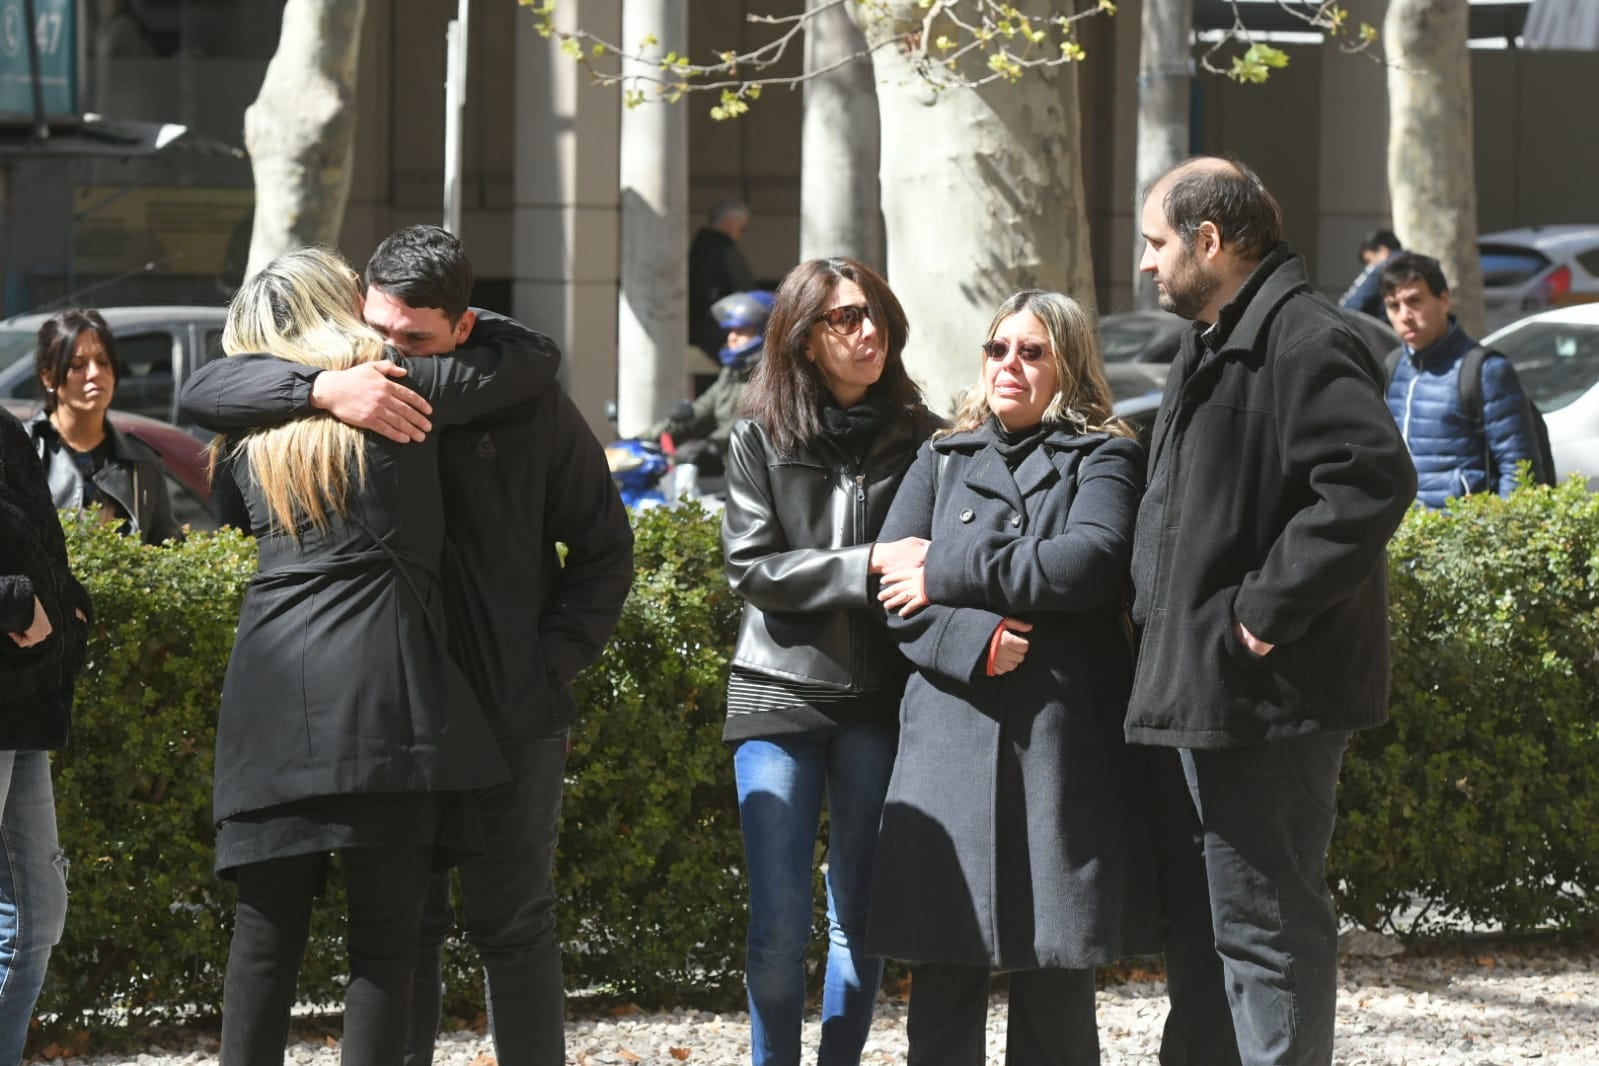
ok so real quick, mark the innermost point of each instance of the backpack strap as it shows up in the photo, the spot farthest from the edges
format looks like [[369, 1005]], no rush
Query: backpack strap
[[1471, 383]]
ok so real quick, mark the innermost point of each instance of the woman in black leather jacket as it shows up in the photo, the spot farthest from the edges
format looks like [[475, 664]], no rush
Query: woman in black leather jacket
[[85, 459], [833, 421]]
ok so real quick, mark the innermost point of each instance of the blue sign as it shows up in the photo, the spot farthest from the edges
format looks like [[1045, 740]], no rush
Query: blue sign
[[54, 29]]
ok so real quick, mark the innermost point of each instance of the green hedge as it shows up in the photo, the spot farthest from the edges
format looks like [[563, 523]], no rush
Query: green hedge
[[1480, 800]]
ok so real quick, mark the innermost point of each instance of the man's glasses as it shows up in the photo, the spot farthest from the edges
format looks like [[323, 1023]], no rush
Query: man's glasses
[[845, 320], [997, 350]]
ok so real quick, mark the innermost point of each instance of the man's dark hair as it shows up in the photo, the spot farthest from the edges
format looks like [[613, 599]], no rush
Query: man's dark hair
[[1232, 197], [1379, 239], [424, 266], [1407, 268]]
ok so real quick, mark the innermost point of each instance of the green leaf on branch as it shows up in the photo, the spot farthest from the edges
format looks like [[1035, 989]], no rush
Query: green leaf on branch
[[1256, 64], [732, 106]]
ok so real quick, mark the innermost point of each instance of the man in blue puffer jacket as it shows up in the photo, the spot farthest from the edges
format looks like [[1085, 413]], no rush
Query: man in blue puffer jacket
[[1456, 451]]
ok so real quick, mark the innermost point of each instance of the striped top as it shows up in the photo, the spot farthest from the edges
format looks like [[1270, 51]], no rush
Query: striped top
[[760, 705]]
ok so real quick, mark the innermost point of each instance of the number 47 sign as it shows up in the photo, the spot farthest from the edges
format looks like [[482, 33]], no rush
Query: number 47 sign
[[54, 31]]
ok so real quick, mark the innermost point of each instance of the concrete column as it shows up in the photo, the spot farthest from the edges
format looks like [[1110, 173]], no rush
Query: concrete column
[[564, 210], [652, 321]]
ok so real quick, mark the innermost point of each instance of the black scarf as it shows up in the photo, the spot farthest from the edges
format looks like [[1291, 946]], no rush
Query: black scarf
[[1015, 445], [851, 428]]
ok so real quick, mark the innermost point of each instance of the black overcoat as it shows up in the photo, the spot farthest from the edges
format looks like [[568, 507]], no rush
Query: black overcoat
[[340, 680], [1005, 838], [1276, 477]]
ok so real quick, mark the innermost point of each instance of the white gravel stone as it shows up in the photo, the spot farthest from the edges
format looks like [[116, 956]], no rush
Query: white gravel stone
[[1494, 1005]]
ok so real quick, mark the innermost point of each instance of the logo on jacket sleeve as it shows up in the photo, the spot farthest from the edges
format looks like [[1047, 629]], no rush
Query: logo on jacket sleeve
[[485, 448]]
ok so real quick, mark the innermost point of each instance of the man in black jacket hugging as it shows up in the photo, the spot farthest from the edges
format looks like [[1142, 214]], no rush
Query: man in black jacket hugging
[[1276, 477]]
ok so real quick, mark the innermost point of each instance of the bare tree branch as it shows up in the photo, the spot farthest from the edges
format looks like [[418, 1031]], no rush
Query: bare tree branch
[[966, 43]]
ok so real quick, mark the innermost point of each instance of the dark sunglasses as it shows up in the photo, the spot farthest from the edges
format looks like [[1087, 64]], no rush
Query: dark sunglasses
[[845, 320], [1030, 353]]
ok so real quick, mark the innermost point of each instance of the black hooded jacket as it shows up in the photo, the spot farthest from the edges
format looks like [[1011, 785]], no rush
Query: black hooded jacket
[[35, 682]]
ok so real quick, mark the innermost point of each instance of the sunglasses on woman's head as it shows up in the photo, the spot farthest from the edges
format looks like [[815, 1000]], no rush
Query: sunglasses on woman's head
[[845, 320], [1030, 353]]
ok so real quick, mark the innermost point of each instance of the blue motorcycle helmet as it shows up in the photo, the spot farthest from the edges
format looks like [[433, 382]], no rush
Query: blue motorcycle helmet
[[746, 311]]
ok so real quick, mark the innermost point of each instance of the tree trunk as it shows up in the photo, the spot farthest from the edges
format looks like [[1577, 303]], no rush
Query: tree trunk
[[300, 132], [1431, 164], [839, 203], [652, 322], [982, 196], [1165, 75]]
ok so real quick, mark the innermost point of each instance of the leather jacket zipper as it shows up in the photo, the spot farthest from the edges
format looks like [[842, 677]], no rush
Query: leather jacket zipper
[[859, 531]]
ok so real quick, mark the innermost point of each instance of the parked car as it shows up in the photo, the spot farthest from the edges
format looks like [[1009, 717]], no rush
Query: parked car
[[1556, 355], [183, 455], [159, 346], [1139, 347], [1525, 271]]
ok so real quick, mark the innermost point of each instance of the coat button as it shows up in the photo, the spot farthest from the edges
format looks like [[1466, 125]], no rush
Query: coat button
[[967, 515], [1016, 520]]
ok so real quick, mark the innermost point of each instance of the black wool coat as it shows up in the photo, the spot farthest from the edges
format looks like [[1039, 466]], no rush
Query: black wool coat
[[1276, 477], [35, 682], [340, 681], [1008, 839]]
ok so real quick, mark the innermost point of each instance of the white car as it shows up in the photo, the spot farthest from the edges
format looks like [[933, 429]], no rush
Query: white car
[[1525, 271], [1556, 354]]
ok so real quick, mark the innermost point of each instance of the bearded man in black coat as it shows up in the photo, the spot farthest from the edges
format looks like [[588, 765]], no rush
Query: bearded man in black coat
[[1276, 477]]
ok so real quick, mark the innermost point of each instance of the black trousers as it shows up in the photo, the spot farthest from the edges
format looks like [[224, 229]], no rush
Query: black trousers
[[385, 888], [1199, 1026], [1266, 812], [1050, 1019], [508, 915]]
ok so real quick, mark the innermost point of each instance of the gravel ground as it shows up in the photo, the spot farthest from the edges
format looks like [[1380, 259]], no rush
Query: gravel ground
[[1487, 1005]]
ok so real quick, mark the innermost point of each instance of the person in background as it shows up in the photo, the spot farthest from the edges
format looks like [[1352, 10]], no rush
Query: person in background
[[86, 460], [700, 429], [832, 422], [1456, 451], [1008, 835], [44, 614], [1364, 294], [716, 268]]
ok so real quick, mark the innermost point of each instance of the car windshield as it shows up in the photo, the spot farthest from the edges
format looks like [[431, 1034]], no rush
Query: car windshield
[[1556, 361]]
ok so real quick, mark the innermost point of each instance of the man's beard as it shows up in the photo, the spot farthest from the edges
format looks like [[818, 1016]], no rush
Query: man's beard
[[1188, 290]]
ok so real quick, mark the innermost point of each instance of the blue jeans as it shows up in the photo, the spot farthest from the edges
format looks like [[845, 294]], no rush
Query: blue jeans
[[33, 891], [508, 915], [781, 781]]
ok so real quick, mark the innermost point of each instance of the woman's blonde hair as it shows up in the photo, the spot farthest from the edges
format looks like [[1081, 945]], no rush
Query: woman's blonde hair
[[304, 307], [1082, 397]]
